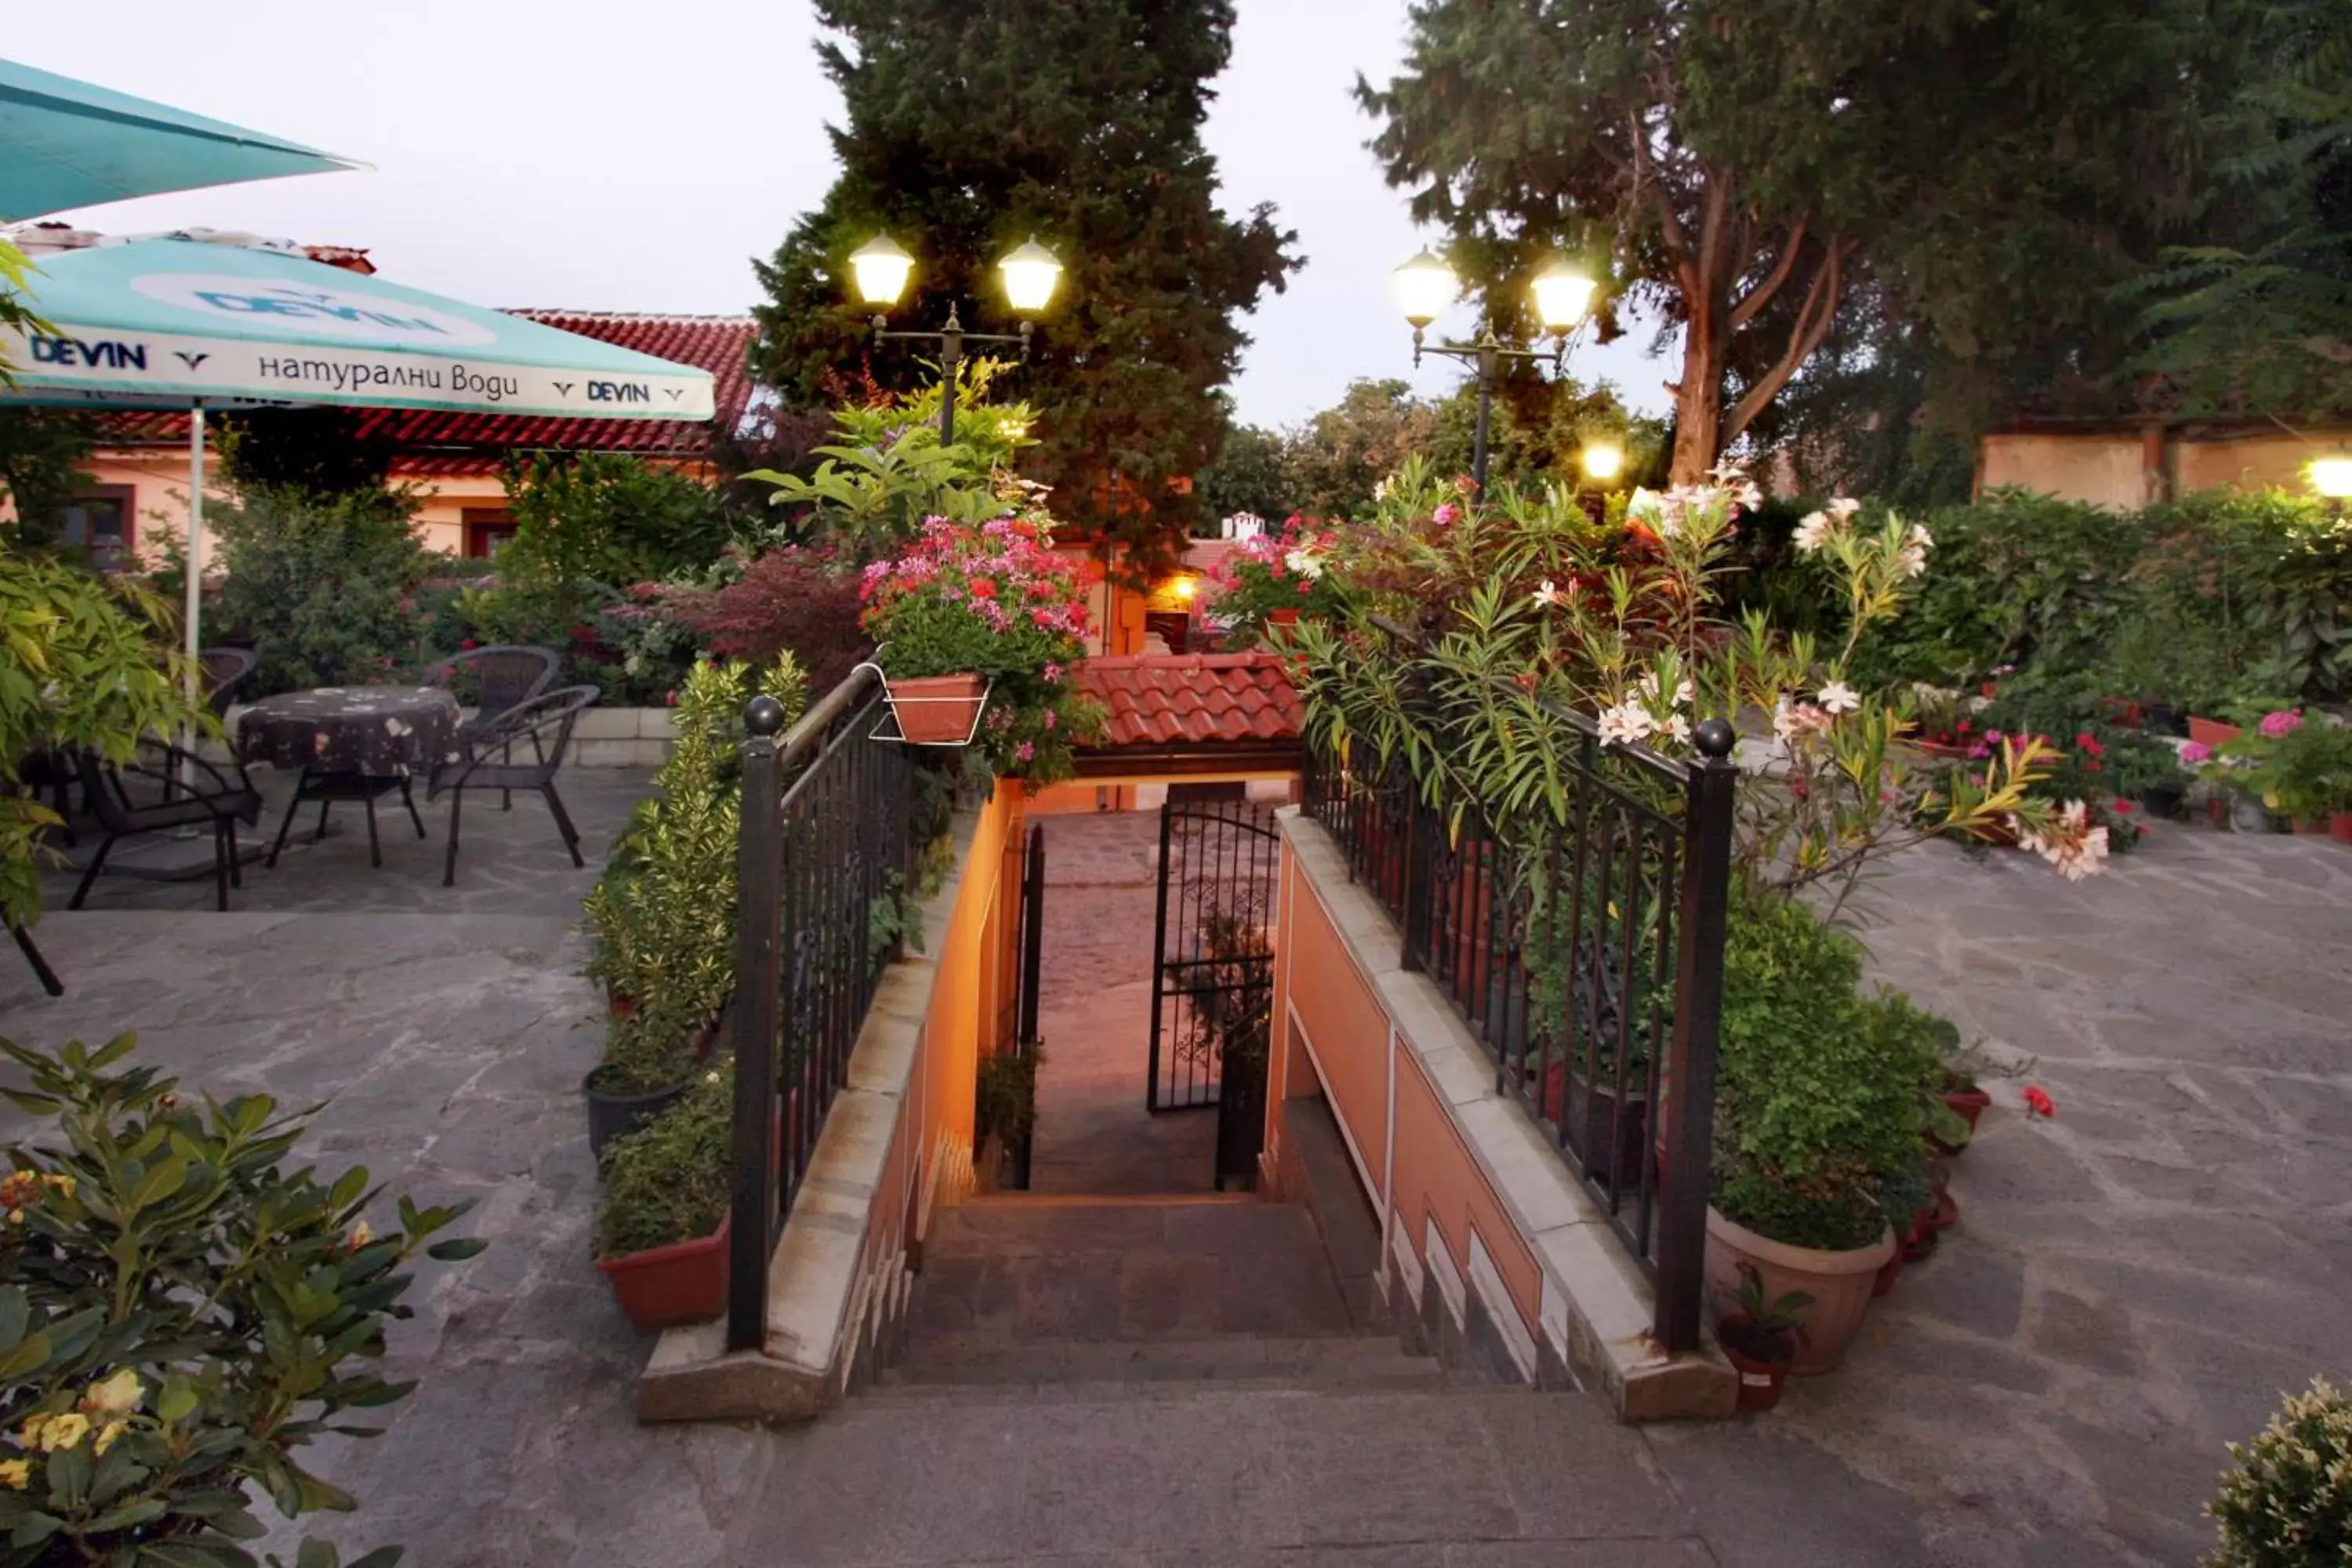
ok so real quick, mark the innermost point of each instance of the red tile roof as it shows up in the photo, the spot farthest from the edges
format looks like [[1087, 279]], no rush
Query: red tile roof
[[435, 441], [1158, 699]]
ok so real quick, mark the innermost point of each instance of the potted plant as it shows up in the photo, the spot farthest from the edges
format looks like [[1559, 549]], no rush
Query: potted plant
[[2282, 1504], [1004, 1111], [976, 629], [185, 1303], [661, 1233], [661, 919], [2147, 770], [1961, 1070], [1819, 1092], [1272, 580], [1760, 1337], [2297, 764]]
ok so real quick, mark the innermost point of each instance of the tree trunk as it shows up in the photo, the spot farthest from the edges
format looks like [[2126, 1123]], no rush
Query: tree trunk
[[1698, 403]]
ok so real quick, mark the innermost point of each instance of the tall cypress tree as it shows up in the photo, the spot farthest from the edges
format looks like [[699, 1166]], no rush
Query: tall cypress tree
[[974, 124]]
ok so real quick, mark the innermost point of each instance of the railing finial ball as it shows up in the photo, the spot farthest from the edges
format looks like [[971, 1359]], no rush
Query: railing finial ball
[[1716, 737], [764, 716]]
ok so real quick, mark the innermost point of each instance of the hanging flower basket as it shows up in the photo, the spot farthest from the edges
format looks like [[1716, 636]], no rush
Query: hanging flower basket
[[936, 710]]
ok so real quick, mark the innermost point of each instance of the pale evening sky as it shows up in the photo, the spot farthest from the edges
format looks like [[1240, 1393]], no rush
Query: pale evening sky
[[621, 157]]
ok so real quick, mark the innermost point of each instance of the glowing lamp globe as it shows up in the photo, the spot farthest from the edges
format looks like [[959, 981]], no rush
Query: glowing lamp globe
[[881, 268], [1603, 461], [1424, 286], [1563, 297], [1031, 273], [2332, 478]]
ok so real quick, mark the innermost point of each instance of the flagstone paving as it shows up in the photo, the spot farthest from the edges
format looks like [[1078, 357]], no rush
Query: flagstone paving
[[2130, 1286]]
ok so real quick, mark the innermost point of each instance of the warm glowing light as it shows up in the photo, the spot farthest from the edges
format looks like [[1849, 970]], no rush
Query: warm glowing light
[[1031, 272], [1187, 587], [1563, 296], [2332, 478], [1424, 286], [1604, 461], [881, 268]]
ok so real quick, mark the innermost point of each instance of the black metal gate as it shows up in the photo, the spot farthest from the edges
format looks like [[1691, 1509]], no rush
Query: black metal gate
[[1212, 986]]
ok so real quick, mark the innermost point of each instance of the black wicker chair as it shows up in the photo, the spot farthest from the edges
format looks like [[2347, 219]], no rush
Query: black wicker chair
[[168, 788], [225, 671], [507, 676], [546, 723]]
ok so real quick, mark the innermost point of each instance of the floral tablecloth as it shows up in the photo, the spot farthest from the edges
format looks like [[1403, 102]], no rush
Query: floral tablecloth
[[373, 732]]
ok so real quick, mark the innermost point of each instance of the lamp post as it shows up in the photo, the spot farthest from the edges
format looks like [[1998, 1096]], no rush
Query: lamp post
[[1426, 285], [881, 268], [2331, 477]]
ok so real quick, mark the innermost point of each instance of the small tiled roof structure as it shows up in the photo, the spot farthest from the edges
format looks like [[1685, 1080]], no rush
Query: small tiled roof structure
[[1160, 700], [434, 442]]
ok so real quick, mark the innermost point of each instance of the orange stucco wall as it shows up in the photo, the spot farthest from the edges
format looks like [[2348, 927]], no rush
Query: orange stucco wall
[[1342, 1038], [2127, 469], [931, 1142]]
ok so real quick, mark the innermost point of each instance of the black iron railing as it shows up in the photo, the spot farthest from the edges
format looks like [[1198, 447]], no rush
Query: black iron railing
[[827, 848], [1586, 954]]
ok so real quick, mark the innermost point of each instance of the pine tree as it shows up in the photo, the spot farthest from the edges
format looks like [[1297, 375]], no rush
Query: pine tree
[[974, 124]]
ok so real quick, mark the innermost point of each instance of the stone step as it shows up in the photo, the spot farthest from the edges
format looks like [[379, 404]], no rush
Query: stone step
[[1257, 1358], [1023, 1270]]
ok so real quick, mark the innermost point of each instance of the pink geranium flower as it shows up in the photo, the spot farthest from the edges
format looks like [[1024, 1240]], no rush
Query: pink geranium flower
[[2196, 752], [2284, 721]]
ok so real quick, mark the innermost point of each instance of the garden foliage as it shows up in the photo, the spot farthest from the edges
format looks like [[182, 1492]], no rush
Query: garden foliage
[[671, 1180], [2287, 1502], [323, 587], [182, 1309]]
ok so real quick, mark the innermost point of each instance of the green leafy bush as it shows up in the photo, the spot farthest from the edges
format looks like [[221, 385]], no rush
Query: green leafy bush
[[321, 588], [1819, 1089], [182, 1312], [661, 919], [671, 1181], [2288, 1503], [85, 663], [590, 525]]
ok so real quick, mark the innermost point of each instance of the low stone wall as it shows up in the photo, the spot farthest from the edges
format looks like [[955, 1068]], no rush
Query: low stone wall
[[1493, 1254], [603, 738]]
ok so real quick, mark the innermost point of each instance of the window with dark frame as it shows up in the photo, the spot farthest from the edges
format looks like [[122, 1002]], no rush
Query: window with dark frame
[[487, 528], [102, 522]]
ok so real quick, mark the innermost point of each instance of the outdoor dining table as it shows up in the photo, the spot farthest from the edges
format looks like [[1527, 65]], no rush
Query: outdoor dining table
[[351, 743]]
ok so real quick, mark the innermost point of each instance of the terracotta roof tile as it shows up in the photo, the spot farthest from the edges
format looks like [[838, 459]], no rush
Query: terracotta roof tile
[[1159, 698], [436, 442]]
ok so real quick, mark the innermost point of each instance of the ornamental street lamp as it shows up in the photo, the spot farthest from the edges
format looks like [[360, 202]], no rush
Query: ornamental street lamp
[[881, 267], [1603, 461], [2332, 478], [1563, 298]]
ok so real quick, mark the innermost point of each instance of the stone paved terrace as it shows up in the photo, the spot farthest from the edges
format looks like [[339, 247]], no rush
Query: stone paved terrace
[[2130, 1286]]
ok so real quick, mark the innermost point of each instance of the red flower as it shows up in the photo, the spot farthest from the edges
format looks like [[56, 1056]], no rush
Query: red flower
[[2038, 1101], [1963, 727], [1527, 680], [468, 643], [982, 588], [2090, 743], [1305, 588], [2122, 807]]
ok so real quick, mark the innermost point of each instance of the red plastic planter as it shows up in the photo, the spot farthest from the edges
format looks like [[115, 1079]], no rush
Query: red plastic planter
[[2212, 732], [685, 1283], [1760, 1382], [2339, 827]]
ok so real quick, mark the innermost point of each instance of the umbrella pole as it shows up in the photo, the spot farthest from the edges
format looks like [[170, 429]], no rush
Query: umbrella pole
[[195, 543], [192, 607]]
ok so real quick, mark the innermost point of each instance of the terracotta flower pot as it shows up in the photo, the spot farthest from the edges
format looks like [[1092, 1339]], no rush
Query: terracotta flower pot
[[936, 710], [685, 1283], [1967, 1104], [2316, 826], [1282, 618], [2212, 732], [1839, 1283], [2339, 827], [1761, 1378]]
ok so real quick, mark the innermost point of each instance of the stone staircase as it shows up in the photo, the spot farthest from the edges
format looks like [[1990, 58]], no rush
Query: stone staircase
[[1073, 1293]]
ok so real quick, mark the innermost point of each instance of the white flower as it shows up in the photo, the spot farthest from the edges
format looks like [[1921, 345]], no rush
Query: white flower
[[1546, 594], [1837, 697], [1919, 537], [1647, 506], [1784, 718], [1678, 727], [1625, 724], [2071, 845], [1814, 532], [1844, 507], [1306, 563], [1913, 557], [1381, 490], [1683, 692]]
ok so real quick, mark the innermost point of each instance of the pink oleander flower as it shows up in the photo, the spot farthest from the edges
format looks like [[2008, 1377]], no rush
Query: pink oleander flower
[[1024, 751], [2285, 721], [2196, 752], [1053, 673], [1053, 720], [1445, 514]]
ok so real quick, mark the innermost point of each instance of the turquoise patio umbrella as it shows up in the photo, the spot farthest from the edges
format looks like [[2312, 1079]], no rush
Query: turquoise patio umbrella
[[66, 143], [178, 324]]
